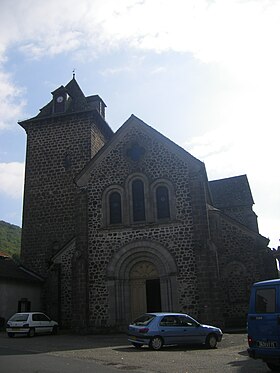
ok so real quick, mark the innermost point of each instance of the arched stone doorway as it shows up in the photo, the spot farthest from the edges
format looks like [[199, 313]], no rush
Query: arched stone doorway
[[145, 293], [141, 276]]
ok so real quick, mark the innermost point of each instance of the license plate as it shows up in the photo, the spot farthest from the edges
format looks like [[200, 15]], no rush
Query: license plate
[[267, 344], [133, 337]]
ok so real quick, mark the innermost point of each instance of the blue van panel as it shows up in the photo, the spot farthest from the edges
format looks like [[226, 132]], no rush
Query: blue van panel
[[263, 321]]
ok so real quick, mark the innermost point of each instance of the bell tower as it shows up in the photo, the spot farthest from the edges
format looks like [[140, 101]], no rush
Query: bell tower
[[61, 100], [61, 140]]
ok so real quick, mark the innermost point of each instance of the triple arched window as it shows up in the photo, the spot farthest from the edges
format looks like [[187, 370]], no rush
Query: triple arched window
[[138, 202]]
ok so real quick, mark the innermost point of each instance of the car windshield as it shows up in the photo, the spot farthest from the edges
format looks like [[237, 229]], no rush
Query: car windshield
[[19, 317], [143, 320]]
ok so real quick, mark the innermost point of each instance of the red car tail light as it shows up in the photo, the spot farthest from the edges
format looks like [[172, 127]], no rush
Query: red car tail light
[[144, 330], [250, 341]]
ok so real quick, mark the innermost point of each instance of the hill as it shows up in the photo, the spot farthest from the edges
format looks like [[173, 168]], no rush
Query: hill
[[10, 239]]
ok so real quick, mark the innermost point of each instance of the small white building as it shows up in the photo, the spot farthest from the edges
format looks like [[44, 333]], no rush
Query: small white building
[[20, 289]]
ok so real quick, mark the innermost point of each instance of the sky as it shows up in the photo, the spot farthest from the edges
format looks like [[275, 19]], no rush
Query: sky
[[204, 73]]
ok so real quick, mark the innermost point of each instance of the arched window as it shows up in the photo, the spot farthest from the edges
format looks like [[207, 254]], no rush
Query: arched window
[[162, 201], [115, 208], [138, 200]]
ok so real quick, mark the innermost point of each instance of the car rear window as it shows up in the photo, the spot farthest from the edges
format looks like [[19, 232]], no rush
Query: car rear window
[[19, 317], [40, 317], [143, 320]]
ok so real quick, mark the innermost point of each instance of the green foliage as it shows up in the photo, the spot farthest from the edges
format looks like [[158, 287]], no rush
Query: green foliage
[[10, 238]]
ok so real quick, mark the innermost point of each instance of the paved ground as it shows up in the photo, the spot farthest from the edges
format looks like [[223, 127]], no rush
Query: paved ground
[[114, 352]]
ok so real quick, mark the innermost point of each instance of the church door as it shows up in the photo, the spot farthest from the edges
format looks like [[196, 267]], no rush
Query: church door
[[144, 289], [153, 295]]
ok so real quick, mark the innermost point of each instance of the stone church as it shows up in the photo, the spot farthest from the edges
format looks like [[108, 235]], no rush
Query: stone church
[[123, 223]]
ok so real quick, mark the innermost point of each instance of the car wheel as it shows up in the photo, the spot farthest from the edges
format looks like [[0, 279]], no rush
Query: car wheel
[[11, 335], [211, 341], [137, 345], [156, 343], [31, 332], [273, 367], [54, 330]]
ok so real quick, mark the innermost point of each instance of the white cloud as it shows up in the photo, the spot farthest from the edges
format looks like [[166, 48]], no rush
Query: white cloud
[[67, 41], [11, 102], [270, 228], [158, 70], [115, 70], [12, 179], [240, 37], [228, 32], [242, 149]]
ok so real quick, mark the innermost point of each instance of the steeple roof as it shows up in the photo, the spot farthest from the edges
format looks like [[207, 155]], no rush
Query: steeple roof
[[77, 100]]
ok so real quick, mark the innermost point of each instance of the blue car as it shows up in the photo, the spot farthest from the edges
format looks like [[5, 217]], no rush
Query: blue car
[[159, 329]]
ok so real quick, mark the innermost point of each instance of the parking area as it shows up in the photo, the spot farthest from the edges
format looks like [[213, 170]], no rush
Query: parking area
[[115, 352]]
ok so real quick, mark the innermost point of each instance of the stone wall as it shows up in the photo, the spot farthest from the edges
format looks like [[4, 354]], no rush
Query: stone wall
[[206, 256], [80, 266], [239, 254], [57, 149], [244, 214], [62, 263], [176, 235]]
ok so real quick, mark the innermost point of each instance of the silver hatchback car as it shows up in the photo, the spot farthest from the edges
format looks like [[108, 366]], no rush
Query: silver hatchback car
[[30, 323], [158, 329]]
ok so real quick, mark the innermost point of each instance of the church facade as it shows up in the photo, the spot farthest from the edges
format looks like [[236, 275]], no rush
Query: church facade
[[123, 223]]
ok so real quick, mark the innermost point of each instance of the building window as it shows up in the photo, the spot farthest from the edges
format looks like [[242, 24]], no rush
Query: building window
[[162, 201], [24, 305], [115, 207], [138, 200], [265, 300]]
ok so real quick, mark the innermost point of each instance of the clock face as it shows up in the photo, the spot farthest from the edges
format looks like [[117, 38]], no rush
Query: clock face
[[59, 99]]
